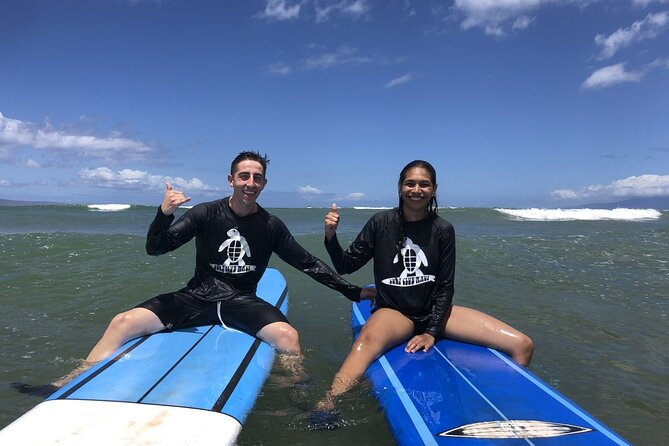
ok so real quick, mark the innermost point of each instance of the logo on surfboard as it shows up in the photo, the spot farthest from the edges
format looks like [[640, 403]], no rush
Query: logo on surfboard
[[236, 247], [514, 429], [413, 258]]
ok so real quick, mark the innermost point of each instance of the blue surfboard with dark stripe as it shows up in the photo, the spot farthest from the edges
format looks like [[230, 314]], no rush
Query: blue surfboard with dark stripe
[[463, 394], [191, 386]]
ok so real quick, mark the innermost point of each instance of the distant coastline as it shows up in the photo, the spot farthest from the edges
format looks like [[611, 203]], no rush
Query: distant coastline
[[4, 202], [658, 203]]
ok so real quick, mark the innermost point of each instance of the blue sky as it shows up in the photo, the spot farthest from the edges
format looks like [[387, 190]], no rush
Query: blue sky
[[516, 102]]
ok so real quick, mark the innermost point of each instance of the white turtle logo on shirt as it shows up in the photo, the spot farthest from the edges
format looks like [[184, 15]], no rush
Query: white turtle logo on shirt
[[235, 247], [413, 258]]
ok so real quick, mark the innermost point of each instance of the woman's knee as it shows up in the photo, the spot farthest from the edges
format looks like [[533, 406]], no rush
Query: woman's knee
[[523, 350], [368, 342]]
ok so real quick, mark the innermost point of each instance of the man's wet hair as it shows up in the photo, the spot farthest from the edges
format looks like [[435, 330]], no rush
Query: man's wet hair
[[248, 155]]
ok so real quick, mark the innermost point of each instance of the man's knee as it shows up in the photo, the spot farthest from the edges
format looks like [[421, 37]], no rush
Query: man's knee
[[282, 336], [121, 321], [128, 322]]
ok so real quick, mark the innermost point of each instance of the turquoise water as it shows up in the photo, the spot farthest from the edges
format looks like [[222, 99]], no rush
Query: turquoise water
[[593, 295]]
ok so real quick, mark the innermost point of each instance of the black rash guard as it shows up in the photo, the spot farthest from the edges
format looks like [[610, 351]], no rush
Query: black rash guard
[[232, 252], [417, 280]]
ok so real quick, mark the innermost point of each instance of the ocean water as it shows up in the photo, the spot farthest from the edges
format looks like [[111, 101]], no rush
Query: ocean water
[[590, 287]]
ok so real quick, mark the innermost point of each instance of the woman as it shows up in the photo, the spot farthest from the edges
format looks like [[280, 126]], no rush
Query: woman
[[414, 265]]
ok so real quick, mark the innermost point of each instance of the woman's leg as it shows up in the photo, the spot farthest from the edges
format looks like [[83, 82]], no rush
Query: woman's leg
[[473, 326], [385, 329]]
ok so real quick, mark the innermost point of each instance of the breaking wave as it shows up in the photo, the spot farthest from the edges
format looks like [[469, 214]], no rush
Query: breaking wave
[[108, 207], [536, 214]]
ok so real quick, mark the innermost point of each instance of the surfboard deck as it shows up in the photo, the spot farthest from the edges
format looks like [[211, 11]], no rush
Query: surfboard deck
[[463, 394], [193, 386]]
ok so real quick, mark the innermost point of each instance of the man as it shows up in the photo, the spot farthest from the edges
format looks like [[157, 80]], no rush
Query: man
[[235, 238]]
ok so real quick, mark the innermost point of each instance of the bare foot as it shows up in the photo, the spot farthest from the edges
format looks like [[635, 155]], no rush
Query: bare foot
[[81, 368]]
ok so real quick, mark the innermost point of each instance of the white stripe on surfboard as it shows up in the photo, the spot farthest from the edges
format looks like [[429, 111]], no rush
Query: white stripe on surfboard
[[561, 399], [416, 419], [471, 384]]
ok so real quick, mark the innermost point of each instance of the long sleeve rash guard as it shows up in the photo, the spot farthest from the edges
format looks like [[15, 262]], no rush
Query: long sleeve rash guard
[[232, 252], [417, 279]]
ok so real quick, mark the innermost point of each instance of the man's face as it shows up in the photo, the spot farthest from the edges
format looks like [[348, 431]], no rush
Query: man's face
[[247, 181]]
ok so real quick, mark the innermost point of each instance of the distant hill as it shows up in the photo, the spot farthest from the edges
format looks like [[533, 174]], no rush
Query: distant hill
[[4, 202], [660, 203]]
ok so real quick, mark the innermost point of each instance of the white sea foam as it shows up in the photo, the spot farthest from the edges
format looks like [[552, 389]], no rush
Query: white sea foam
[[536, 214], [108, 207]]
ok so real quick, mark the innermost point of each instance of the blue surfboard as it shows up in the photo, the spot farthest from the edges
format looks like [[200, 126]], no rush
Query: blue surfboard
[[463, 394], [193, 386]]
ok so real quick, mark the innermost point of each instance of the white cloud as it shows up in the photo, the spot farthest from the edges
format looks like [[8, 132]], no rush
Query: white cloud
[[309, 190], [648, 28], [17, 134], [280, 69], [644, 3], [399, 80], [281, 10], [350, 8], [611, 75], [4, 153], [342, 56], [313, 193], [4, 183], [662, 62], [495, 17], [636, 186], [139, 180], [32, 163], [522, 23], [323, 10]]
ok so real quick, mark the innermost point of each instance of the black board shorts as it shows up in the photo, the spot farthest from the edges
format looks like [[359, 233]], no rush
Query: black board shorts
[[247, 313]]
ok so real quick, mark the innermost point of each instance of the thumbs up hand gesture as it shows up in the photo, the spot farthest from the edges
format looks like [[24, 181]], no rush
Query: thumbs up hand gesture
[[331, 222]]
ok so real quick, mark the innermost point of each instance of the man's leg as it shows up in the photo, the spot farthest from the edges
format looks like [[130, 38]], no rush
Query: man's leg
[[123, 327], [284, 338]]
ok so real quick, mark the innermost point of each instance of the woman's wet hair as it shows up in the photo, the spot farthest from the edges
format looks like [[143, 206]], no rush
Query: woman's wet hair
[[432, 206]]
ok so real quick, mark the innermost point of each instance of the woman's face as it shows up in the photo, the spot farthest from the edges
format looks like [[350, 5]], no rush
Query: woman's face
[[417, 189]]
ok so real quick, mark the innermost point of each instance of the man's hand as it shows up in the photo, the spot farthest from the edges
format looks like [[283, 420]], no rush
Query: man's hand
[[331, 222], [368, 294], [420, 342], [172, 200]]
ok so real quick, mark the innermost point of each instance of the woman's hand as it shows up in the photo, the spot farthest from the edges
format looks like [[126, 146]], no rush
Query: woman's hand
[[420, 342], [331, 222]]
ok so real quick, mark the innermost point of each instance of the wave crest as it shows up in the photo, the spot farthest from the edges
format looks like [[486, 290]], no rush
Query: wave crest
[[108, 207], [537, 214]]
